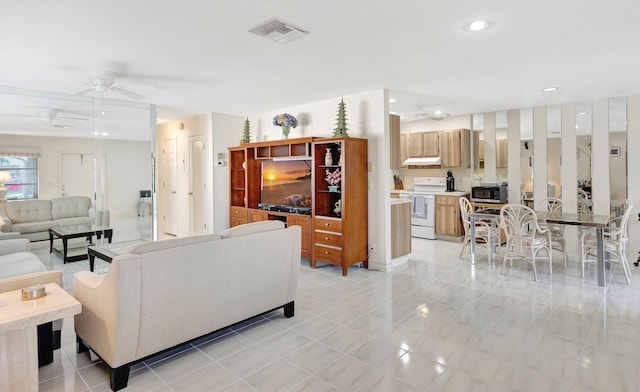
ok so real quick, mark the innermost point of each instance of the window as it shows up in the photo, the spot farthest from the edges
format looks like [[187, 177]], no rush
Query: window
[[24, 177]]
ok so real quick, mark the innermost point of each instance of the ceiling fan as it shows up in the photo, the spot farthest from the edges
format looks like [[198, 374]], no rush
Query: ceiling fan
[[423, 113], [106, 81], [49, 115]]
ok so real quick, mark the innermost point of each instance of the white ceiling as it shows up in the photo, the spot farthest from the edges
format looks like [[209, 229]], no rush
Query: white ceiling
[[192, 57]]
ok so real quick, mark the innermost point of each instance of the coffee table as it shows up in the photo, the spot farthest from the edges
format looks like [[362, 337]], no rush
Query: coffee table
[[65, 233], [107, 252]]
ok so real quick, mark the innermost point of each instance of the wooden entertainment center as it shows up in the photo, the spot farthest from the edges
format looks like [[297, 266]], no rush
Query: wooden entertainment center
[[335, 225]]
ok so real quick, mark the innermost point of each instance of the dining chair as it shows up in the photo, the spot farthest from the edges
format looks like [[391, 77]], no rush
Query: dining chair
[[554, 205], [483, 228], [525, 237], [583, 202], [616, 240]]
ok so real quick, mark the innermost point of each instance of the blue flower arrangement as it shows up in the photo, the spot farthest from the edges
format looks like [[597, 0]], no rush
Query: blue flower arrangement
[[286, 122]]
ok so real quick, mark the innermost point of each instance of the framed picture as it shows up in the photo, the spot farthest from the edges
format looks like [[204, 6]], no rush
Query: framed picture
[[614, 151]]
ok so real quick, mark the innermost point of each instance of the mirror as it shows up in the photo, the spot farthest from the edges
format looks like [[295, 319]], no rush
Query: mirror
[[526, 155], [501, 146], [477, 126], [583, 154], [94, 147], [554, 148], [618, 155]]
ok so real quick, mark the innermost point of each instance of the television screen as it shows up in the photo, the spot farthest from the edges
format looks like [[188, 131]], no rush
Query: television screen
[[286, 183]]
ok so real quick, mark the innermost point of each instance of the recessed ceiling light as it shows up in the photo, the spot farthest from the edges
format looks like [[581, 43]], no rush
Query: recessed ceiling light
[[437, 112], [477, 25], [392, 100], [582, 114], [549, 89], [105, 134]]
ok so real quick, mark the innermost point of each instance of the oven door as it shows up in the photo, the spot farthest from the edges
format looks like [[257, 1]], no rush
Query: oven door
[[423, 210]]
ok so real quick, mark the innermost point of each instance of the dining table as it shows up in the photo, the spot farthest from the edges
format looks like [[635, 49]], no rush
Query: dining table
[[598, 222]]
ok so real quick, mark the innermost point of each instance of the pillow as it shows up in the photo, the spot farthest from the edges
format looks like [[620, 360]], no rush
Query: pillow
[[252, 228]]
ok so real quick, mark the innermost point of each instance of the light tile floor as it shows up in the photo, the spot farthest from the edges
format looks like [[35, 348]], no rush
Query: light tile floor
[[434, 324]]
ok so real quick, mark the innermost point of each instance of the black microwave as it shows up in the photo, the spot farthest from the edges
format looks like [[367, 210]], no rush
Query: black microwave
[[489, 194]]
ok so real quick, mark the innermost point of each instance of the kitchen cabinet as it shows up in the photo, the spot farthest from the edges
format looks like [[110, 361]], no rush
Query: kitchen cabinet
[[404, 154], [395, 151], [501, 153], [400, 227], [455, 148], [424, 144], [448, 218]]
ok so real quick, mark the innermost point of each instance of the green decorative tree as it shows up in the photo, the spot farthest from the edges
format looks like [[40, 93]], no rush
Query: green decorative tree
[[246, 133], [341, 120]]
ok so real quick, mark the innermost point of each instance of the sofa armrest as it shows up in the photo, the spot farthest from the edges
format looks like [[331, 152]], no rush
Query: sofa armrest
[[109, 322], [9, 236], [14, 246], [22, 281]]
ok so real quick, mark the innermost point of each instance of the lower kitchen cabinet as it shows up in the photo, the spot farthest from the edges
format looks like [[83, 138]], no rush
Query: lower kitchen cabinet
[[448, 218]]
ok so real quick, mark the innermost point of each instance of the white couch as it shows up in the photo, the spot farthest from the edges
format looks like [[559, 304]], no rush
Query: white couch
[[159, 295], [33, 218], [19, 268]]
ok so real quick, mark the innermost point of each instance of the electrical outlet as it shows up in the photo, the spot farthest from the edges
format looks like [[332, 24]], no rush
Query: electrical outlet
[[372, 248]]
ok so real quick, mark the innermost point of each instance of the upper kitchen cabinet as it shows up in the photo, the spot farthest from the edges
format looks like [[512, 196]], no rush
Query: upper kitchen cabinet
[[455, 148], [424, 144]]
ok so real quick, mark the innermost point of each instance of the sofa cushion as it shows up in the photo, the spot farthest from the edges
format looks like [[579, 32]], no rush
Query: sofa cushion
[[70, 207], [83, 220], [34, 227], [29, 211], [252, 228], [20, 263], [153, 246]]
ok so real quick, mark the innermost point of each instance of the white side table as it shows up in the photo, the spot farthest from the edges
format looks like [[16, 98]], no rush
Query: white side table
[[18, 333]]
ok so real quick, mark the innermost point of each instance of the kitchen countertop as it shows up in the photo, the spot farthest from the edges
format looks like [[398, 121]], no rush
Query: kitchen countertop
[[454, 193], [399, 201]]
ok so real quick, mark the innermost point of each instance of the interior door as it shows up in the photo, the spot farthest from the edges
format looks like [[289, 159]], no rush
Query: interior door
[[198, 186], [77, 174], [168, 186]]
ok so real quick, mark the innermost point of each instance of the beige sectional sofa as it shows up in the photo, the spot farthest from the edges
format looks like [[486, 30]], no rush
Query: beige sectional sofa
[[159, 295], [19, 268], [33, 218]]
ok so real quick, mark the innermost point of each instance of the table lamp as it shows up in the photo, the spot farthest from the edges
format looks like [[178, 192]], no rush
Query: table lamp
[[5, 177]]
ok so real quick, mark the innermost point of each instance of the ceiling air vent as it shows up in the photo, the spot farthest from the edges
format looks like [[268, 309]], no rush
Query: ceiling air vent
[[278, 31]]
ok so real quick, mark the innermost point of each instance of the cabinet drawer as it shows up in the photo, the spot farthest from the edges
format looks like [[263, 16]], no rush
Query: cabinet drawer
[[238, 212], [334, 225], [326, 254], [237, 221], [325, 238]]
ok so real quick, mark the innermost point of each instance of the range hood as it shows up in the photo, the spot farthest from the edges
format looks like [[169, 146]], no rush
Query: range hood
[[424, 161]]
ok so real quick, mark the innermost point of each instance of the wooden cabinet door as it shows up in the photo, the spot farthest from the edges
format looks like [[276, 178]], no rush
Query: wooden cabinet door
[[404, 154], [257, 215], [501, 153], [451, 148], [448, 216], [305, 223], [430, 144], [415, 147]]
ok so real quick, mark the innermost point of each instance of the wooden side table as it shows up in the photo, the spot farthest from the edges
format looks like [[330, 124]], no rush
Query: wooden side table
[[18, 333]]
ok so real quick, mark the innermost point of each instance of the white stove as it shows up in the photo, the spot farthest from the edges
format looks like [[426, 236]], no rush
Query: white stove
[[423, 205]]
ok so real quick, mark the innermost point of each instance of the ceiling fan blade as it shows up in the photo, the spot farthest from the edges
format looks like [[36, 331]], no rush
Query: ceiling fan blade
[[70, 118], [84, 92], [130, 94]]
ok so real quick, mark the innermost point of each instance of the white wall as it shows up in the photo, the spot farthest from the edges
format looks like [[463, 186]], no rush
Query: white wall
[[367, 117], [129, 167], [227, 131]]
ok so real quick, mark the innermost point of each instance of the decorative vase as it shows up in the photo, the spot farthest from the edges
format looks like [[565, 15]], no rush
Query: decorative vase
[[334, 188], [338, 209], [285, 132], [328, 159]]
